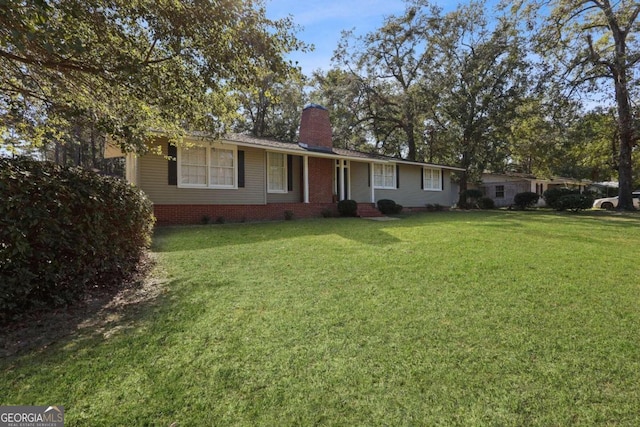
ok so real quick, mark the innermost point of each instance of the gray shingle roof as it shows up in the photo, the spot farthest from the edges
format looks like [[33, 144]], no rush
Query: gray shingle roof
[[300, 149]]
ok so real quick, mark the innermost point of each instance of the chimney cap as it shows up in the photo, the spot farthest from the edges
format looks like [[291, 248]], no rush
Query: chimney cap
[[314, 106]]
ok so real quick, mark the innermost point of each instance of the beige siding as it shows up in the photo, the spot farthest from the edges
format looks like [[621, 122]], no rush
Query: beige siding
[[411, 195], [295, 195], [360, 186], [153, 179], [511, 188], [153, 170]]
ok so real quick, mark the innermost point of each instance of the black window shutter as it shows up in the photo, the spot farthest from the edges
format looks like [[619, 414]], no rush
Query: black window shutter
[[441, 180], [397, 176], [172, 152], [368, 174], [289, 172], [240, 168], [422, 179]]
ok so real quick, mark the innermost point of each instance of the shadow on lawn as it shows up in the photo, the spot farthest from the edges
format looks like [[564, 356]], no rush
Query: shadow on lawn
[[373, 232], [98, 316], [212, 236]]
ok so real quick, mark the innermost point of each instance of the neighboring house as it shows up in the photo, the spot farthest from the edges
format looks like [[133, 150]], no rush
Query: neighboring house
[[239, 177], [502, 188]]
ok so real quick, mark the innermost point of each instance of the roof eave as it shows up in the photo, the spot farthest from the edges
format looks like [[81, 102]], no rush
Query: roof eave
[[300, 151]]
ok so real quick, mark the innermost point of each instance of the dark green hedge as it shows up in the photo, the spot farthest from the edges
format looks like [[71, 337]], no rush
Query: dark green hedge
[[64, 230], [389, 207], [486, 203], [348, 207], [553, 195], [526, 199], [574, 202]]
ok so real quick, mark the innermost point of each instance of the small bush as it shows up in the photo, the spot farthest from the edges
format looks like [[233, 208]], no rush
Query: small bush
[[206, 219], [288, 215], [472, 194], [388, 207], [326, 213], [552, 195], [348, 208], [64, 230], [470, 198], [574, 202], [434, 207], [526, 200], [486, 203]]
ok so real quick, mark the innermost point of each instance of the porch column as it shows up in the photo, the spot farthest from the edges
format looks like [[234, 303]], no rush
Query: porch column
[[371, 180], [305, 173], [131, 168], [348, 189], [341, 179]]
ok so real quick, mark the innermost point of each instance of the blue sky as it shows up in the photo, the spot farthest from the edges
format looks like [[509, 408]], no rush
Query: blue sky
[[323, 21]]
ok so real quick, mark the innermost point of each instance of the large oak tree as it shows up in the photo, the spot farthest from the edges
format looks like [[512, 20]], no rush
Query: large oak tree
[[386, 67], [131, 66], [480, 78], [595, 45]]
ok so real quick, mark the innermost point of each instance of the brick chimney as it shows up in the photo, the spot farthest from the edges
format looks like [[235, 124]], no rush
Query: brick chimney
[[315, 128]]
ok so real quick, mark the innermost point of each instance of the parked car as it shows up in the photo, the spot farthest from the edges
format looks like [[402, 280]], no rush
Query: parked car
[[609, 203]]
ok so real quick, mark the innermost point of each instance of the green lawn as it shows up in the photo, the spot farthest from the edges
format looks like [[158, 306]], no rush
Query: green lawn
[[478, 318]]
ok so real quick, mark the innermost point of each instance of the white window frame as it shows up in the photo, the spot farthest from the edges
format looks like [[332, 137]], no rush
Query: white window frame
[[181, 159], [284, 173], [431, 179], [210, 149], [385, 168]]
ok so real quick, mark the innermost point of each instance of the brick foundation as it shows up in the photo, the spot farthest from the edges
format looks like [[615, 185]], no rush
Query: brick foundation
[[195, 214]]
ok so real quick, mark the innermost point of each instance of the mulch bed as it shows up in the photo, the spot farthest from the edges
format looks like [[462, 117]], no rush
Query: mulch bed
[[39, 329]]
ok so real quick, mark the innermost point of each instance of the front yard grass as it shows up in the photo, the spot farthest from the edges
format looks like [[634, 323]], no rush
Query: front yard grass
[[465, 318]]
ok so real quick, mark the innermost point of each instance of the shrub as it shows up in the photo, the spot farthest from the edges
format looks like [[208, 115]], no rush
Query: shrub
[[64, 230], [472, 194], [552, 195], [574, 202], [526, 200], [434, 207], [326, 213], [486, 203], [288, 215], [389, 207], [348, 207], [470, 198]]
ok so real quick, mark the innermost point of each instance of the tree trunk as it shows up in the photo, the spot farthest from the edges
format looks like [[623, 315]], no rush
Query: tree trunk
[[627, 139], [411, 143], [464, 180], [462, 199]]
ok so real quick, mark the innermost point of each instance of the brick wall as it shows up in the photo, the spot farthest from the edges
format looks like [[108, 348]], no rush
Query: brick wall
[[315, 127], [321, 180], [194, 214]]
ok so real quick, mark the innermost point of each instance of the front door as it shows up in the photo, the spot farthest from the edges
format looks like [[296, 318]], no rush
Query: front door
[[342, 187]]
